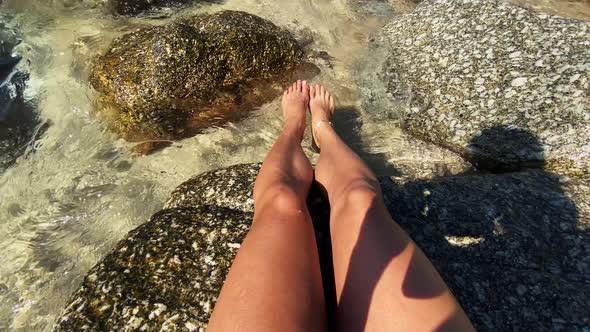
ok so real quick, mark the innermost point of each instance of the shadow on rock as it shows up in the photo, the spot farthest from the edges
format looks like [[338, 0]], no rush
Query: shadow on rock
[[505, 149], [513, 247]]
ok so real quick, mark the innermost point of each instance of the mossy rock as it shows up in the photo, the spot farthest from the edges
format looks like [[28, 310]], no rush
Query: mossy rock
[[169, 82]]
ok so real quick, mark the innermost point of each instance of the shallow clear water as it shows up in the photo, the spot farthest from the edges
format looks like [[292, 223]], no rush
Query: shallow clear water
[[64, 206]]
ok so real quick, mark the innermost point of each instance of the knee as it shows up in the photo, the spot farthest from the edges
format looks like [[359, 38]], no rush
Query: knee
[[358, 195], [280, 200]]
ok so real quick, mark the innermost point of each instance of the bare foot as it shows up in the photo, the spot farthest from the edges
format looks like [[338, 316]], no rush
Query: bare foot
[[321, 105], [295, 101]]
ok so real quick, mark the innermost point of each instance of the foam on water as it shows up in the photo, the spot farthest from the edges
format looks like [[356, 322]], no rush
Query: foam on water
[[64, 206]]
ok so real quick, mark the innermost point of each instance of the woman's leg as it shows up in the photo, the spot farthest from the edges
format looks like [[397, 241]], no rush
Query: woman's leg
[[275, 283], [383, 281]]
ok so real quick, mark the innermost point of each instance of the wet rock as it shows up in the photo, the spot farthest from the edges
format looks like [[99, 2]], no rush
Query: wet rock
[[19, 122], [468, 66], [371, 7], [404, 6], [8, 40], [133, 7], [514, 249], [168, 82]]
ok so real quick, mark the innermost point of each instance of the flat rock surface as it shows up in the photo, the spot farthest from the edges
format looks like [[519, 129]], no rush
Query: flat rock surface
[[514, 249], [469, 66]]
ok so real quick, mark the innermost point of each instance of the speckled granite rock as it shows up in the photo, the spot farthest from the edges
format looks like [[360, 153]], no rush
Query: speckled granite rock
[[170, 81], [467, 66], [231, 187], [514, 248], [165, 275]]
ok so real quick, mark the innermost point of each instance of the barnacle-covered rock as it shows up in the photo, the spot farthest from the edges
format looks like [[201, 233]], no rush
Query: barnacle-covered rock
[[170, 81], [467, 66], [514, 248]]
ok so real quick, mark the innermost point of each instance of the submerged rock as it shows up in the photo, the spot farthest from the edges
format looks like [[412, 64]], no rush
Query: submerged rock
[[469, 66], [168, 82], [19, 122], [133, 7], [514, 249], [8, 40], [119, 7]]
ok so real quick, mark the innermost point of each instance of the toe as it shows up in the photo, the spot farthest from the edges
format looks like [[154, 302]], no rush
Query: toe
[[290, 90], [331, 102], [312, 91], [299, 85]]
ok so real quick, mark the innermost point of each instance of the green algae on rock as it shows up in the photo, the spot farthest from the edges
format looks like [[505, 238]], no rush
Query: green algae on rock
[[514, 249], [168, 82], [468, 66]]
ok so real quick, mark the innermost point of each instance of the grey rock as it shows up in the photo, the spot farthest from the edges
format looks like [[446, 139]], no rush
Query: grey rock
[[514, 248], [494, 237], [465, 67]]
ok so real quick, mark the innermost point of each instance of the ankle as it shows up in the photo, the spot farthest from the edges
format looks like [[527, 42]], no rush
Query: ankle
[[293, 129], [321, 127]]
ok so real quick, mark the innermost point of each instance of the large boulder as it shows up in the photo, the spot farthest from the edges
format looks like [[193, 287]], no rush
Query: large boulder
[[467, 66], [168, 82], [514, 248]]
